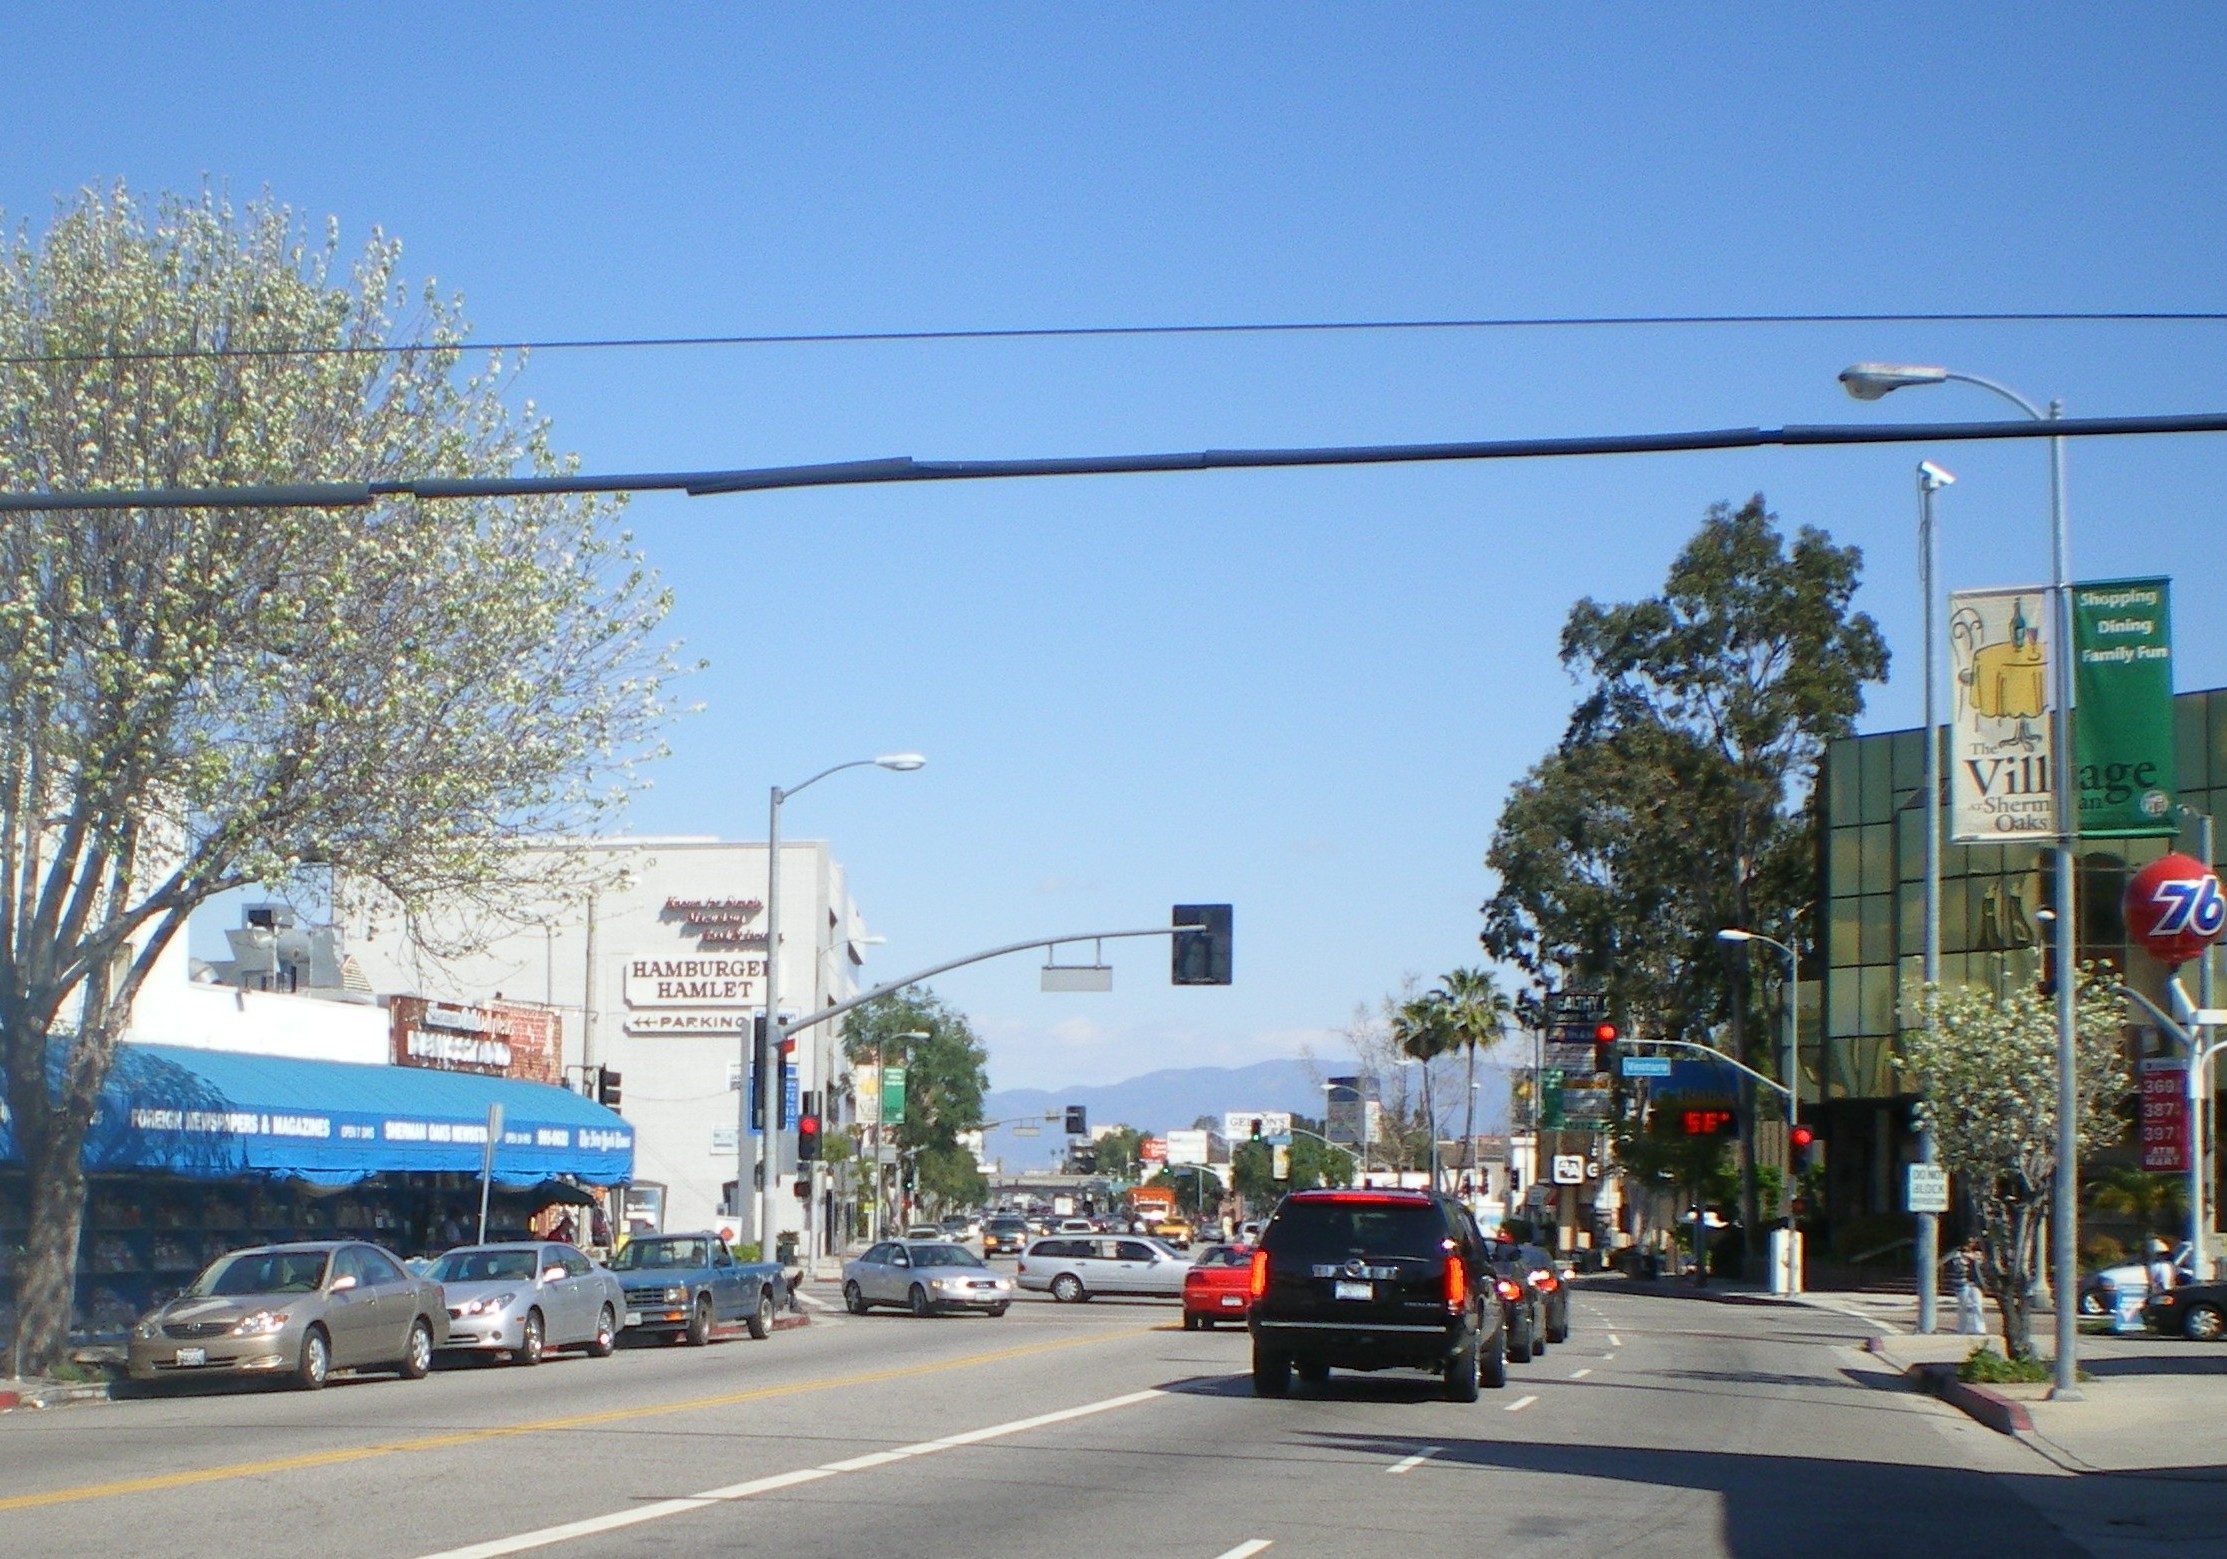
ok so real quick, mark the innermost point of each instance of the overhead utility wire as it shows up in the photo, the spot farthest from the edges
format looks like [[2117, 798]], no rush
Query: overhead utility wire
[[1084, 332], [903, 468]]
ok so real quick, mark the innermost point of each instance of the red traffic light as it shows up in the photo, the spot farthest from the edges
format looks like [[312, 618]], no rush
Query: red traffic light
[[1801, 1137], [1604, 1033]]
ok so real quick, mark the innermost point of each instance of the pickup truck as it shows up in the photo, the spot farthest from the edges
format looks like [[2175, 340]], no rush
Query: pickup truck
[[688, 1285]]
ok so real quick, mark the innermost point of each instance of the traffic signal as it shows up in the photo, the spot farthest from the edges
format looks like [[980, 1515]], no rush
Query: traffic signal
[[1604, 1046], [1801, 1146], [1201, 951], [807, 1138], [1077, 1121], [1256, 1128], [607, 1087]]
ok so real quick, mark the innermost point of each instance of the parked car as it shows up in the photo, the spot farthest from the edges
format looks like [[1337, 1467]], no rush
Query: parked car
[[527, 1299], [687, 1285], [927, 1277], [2100, 1292], [1215, 1287], [1075, 1268], [294, 1310], [2197, 1311], [1372, 1280], [1004, 1236]]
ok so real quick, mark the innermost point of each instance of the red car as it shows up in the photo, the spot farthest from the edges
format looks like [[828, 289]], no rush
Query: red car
[[1215, 1287]]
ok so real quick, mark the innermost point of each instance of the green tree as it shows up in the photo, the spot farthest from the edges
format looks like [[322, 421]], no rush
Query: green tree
[[1987, 1078], [946, 1076], [1477, 1012], [2157, 1203], [1252, 1172], [1680, 799], [1117, 1152], [193, 701]]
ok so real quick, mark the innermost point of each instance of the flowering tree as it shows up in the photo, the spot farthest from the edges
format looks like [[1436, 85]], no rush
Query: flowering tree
[[1987, 1071], [194, 701]]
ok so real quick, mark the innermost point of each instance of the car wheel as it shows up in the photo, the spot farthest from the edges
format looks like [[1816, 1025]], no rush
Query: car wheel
[[1538, 1344], [918, 1299], [761, 1319], [1559, 1333], [1519, 1343], [854, 1299], [417, 1353], [316, 1361], [2091, 1303], [1068, 1289], [533, 1336], [1462, 1374], [1190, 1323], [1492, 1368], [2203, 1324], [1271, 1373], [997, 1310], [1314, 1372], [699, 1324], [606, 1339]]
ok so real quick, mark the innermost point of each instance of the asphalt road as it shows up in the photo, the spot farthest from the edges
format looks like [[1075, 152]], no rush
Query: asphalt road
[[1665, 1425]]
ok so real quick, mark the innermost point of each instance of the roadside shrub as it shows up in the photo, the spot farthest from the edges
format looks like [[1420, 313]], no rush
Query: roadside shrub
[[2099, 1250]]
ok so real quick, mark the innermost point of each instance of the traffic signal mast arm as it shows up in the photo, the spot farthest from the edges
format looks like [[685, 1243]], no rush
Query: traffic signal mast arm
[[1718, 1055], [841, 1007]]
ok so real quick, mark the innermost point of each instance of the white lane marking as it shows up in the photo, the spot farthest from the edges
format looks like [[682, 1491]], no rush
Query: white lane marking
[[1407, 1463], [1519, 1404], [814, 1301], [620, 1519], [1608, 1358], [1580, 1374], [1248, 1548], [1615, 1341]]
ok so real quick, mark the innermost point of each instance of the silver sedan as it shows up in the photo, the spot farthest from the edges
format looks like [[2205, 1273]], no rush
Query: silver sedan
[[528, 1299], [927, 1277]]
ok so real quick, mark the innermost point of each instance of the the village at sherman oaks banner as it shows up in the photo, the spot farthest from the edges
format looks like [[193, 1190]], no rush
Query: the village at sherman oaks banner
[[2122, 707], [1999, 717]]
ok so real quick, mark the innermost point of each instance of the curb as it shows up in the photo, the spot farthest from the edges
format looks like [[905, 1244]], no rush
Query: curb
[[2002, 1414], [57, 1395]]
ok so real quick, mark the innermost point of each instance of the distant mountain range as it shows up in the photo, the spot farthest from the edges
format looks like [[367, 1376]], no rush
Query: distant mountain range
[[1174, 1098]]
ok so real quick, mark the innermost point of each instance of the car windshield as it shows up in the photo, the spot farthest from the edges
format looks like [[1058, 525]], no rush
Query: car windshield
[[1227, 1256], [1326, 1231], [1008, 1226], [652, 1255], [484, 1266], [943, 1256], [262, 1272]]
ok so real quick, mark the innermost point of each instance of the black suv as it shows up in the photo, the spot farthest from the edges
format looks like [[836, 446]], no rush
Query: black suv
[[1372, 1280]]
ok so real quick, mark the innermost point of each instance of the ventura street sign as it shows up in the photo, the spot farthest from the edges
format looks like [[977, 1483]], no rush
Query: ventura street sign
[[1646, 1066]]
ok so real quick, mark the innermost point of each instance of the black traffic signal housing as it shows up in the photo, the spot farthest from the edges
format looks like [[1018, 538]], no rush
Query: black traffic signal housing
[[607, 1087], [1801, 1148], [1200, 954], [1077, 1121], [807, 1139], [1604, 1047], [1256, 1129]]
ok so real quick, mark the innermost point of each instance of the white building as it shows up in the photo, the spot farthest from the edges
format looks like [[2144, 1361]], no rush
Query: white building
[[659, 980]]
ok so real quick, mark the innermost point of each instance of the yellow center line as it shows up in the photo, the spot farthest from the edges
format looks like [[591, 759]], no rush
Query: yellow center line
[[443, 1442]]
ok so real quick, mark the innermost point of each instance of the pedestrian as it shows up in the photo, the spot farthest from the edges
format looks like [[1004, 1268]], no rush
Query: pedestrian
[[1963, 1268], [2160, 1269]]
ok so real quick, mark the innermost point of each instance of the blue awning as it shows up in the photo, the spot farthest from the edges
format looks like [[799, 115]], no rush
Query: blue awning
[[219, 1114]]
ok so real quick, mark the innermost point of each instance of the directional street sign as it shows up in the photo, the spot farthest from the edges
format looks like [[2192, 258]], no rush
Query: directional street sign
[[1927, 1190], [1646, 1066]]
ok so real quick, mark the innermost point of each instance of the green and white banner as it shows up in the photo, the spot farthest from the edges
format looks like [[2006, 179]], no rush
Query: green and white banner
[[2122, 725]]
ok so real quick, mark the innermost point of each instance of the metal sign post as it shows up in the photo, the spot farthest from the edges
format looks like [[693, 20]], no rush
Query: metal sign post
[[487, 1163]]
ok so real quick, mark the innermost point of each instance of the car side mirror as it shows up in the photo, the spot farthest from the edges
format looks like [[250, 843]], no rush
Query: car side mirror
[[343, 1283]]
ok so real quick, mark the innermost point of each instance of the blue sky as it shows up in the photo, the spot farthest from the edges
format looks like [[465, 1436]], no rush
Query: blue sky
[[1303, 692]]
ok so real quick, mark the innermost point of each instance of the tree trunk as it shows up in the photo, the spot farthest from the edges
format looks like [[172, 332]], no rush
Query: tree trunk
[[47, 1286], [2012, 1268]]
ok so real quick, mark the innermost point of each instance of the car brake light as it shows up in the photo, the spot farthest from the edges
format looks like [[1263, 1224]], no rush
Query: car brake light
[[1508, 1289], [1256, 1276], [1456, 1283]]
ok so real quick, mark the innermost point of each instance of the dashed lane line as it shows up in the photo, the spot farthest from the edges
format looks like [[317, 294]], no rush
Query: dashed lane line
[[1519, 1404], [1580, 1374], [1615, 1341], [1410, 1463], [1248, 1548], [639, 1515]]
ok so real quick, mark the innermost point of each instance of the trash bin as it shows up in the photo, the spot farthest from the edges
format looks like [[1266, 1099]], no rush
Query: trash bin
[[784, 1248]]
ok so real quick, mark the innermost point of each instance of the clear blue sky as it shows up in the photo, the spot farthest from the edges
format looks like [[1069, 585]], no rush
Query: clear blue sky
[[1306, 693]]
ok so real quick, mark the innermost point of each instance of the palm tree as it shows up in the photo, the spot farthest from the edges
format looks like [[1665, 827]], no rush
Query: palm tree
[[1477, 1010], [2158, 1203], [1423, 1030]]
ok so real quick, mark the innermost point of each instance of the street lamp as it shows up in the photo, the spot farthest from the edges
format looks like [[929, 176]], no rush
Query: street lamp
[[1789, 1264], [1931, 479], [1868, 382], [769, 1045]]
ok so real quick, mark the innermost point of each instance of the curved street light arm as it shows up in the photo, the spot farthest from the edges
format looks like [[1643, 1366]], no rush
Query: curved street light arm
[[1718, 1055]]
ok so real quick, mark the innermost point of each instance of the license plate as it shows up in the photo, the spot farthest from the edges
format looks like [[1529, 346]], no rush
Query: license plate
[[1353, 1291], [193, 1355], [634, 1318], [1232, 1300]]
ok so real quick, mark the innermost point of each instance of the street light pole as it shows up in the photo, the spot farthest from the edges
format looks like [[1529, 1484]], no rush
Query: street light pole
[[2199, 1091], [1791, 1087], [763, 1062], [1931, 478], [1868, 382]]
